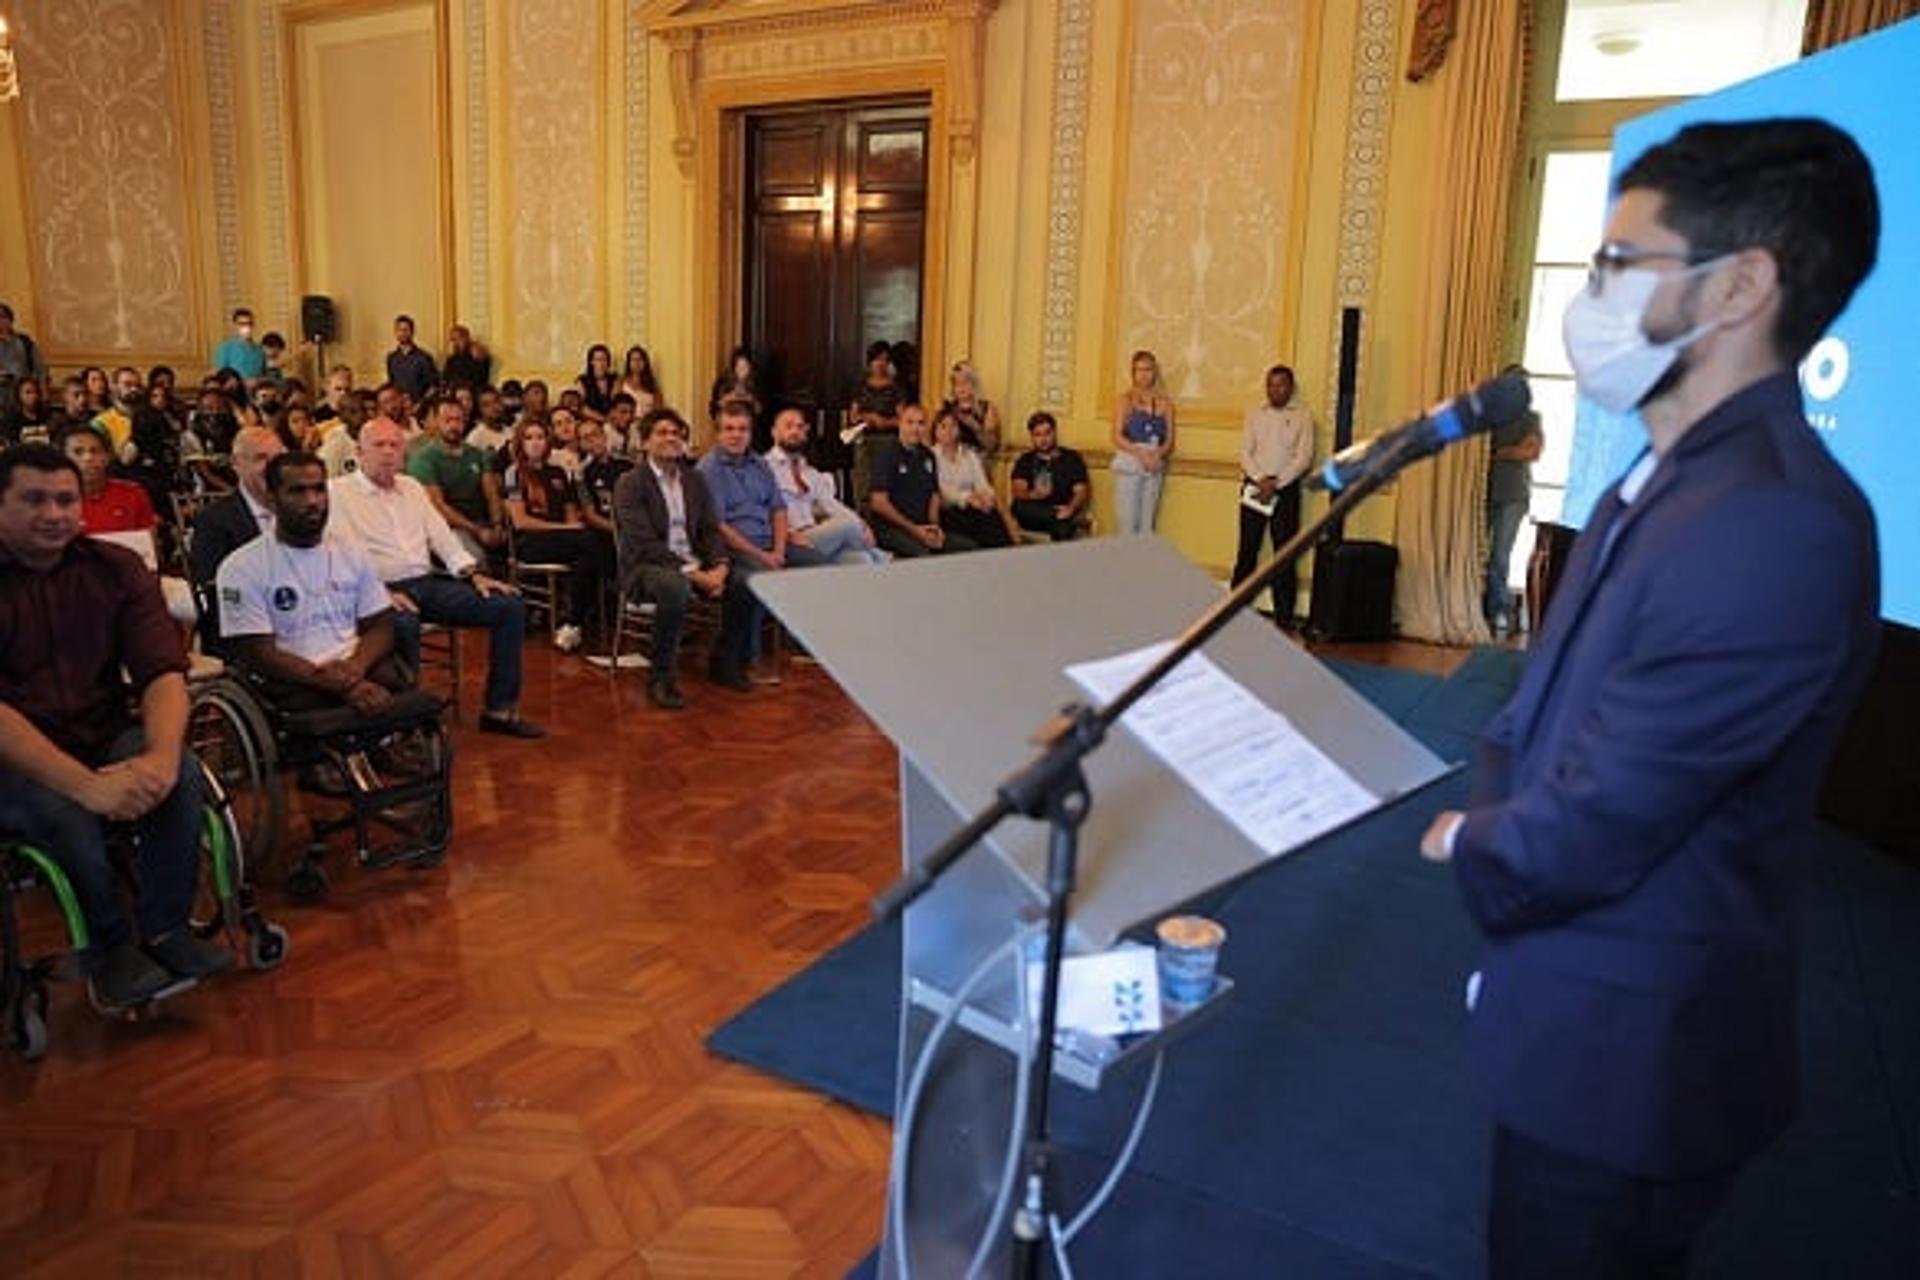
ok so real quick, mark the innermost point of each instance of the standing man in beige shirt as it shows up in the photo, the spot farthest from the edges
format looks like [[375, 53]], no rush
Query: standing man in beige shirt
[[1276, 448]]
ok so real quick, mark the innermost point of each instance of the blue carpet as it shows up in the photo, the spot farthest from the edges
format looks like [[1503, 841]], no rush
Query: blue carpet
[[1324, 1124]]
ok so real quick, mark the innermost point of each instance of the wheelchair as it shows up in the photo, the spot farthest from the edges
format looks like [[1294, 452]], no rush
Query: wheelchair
[[390, 773], [225, 905]]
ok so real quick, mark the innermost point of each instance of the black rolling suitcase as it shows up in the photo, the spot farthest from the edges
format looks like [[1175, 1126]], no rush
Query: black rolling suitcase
[[1353, 591]]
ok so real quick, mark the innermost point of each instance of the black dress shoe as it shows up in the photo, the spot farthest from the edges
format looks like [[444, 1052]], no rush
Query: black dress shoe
[[511, 727], [126, 977], [185, 956], [665, 694]]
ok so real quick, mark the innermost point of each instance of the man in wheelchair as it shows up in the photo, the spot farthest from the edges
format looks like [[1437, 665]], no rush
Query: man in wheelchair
[[304, 614], [310, 627], [93, 721]]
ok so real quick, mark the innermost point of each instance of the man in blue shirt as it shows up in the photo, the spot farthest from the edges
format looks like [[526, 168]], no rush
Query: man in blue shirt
[[408, 367], [238, 351], [753, 515]]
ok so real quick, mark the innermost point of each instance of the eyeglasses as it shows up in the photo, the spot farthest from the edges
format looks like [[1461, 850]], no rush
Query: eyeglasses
[[1609, 258]]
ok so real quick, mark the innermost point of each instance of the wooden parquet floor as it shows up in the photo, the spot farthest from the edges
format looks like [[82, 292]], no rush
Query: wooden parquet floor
[[496, 1068]]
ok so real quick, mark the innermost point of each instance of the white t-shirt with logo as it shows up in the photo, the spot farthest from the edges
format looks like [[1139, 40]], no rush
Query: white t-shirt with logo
[[311, 600]]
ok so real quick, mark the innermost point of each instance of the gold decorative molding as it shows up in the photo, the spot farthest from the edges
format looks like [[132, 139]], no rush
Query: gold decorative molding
[[479, 283], [635, 140], [1364, 176], [273, 157], [217, 19], [683, 48], [1066, 172]]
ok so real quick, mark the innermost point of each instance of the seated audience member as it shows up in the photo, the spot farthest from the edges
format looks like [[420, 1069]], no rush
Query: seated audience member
[[390, 516], [563, 439], [467, 364], [1050, 486], [116, 420], [878, 403], [600, 470], [639, 381], [492, 428], [597, 382], [339, 386], [968, 504], [670, 547], [232, 521], [274, 347], [460, 482], [107, 503], [621, 415], [208, 440], [30, 418], [547, 528], [72, 408], [904, 495], [740, 380], [753, 515], [978, 417], [99, 389], [534, 402], [339, 448], [93, 726], [816, 517], [294, 425], [305, 612]]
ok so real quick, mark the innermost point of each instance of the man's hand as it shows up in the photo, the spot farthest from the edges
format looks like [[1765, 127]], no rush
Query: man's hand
[[341, 674], [491, 586], [1063, 513], [773, 560], [492, 536], [1434, 844], [710, 581], [402, 602], [930, 535], [120, 793], [1269, 485], [368, 698]]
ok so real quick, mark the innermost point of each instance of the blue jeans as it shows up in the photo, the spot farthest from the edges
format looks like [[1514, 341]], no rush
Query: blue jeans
[[453, 602], [169, 848], [1503, 527]]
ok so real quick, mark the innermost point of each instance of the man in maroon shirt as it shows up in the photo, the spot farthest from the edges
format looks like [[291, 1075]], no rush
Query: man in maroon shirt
[[84, 633]]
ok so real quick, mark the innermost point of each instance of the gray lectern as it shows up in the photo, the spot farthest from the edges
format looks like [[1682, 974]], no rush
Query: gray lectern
[[959, 660]]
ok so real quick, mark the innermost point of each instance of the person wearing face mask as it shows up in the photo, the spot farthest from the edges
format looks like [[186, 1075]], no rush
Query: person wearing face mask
[[1642, 809], [238, 351]]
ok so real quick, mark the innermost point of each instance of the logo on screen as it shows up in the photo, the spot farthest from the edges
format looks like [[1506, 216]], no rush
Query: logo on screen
[[1823, 375]]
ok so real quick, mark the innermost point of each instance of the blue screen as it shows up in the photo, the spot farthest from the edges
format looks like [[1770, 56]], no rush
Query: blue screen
[[1857, 382]]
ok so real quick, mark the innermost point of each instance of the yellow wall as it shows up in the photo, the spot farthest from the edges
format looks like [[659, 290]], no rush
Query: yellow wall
[[1212, 180]]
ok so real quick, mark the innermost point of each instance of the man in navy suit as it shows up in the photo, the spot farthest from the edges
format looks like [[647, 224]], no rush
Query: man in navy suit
[[1640, 822]]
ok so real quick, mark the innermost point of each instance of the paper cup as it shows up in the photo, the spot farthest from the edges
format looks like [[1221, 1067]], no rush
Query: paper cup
[[1189, 957]]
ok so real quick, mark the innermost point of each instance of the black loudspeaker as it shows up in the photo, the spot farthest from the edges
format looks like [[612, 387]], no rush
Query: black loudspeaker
[[1353, 591], [318, 321], [1349, 375]]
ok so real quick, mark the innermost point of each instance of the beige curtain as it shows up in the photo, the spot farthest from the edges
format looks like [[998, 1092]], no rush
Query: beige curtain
[[1441, 524], [1832, 22]]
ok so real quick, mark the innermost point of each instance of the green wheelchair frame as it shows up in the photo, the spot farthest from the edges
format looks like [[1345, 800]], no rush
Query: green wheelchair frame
[[228, 908]]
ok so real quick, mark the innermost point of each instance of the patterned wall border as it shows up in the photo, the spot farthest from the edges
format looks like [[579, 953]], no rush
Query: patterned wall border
[[218, 16], [1364, 179], [1066, 169], [479, 308], [634, 232], [273, 156]]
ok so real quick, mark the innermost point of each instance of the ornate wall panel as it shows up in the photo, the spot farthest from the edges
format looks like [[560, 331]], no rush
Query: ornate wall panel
[[273, 161], [1364, 178], [554, 146], [1209, 182], [104, 140], [1066, 168], [478, 286], [634, 231], [218, 24]]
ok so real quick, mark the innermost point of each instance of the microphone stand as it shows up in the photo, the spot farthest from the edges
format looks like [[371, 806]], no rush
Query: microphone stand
[[1053, 787]]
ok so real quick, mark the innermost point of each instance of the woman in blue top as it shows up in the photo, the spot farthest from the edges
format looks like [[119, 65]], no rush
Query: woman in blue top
[[1142, 443]]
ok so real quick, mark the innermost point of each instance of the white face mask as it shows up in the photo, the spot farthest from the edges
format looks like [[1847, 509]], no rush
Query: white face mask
[[1614, 363]]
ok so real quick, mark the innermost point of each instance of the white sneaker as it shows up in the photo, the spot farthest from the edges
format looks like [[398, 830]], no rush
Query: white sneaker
[[568, 638]]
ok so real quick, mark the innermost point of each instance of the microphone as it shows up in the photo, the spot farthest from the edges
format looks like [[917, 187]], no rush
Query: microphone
[[1493, 403]]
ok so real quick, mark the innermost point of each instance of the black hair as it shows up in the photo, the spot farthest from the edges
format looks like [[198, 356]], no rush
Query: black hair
[[33, 457], [1281, 368], [159, 371], [879, 348], [403, 317], [281, 463], [274, 340], [1799, 188], [657, 416], [623, 398], [1041, 418], [241, 311]]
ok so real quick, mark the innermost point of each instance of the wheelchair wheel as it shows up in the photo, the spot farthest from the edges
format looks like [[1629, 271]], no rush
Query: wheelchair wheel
[[267, 947], [231, 736]]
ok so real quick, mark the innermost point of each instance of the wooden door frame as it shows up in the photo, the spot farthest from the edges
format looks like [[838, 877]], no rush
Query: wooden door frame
[[720, 184], [731, 319]]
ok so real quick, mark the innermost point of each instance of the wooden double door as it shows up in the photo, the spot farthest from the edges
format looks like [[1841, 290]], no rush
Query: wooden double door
[[835, 211]]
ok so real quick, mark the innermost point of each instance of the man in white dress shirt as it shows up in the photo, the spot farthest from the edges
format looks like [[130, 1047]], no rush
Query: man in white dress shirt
[[1276, 448], [815, 515], [389, 514]]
